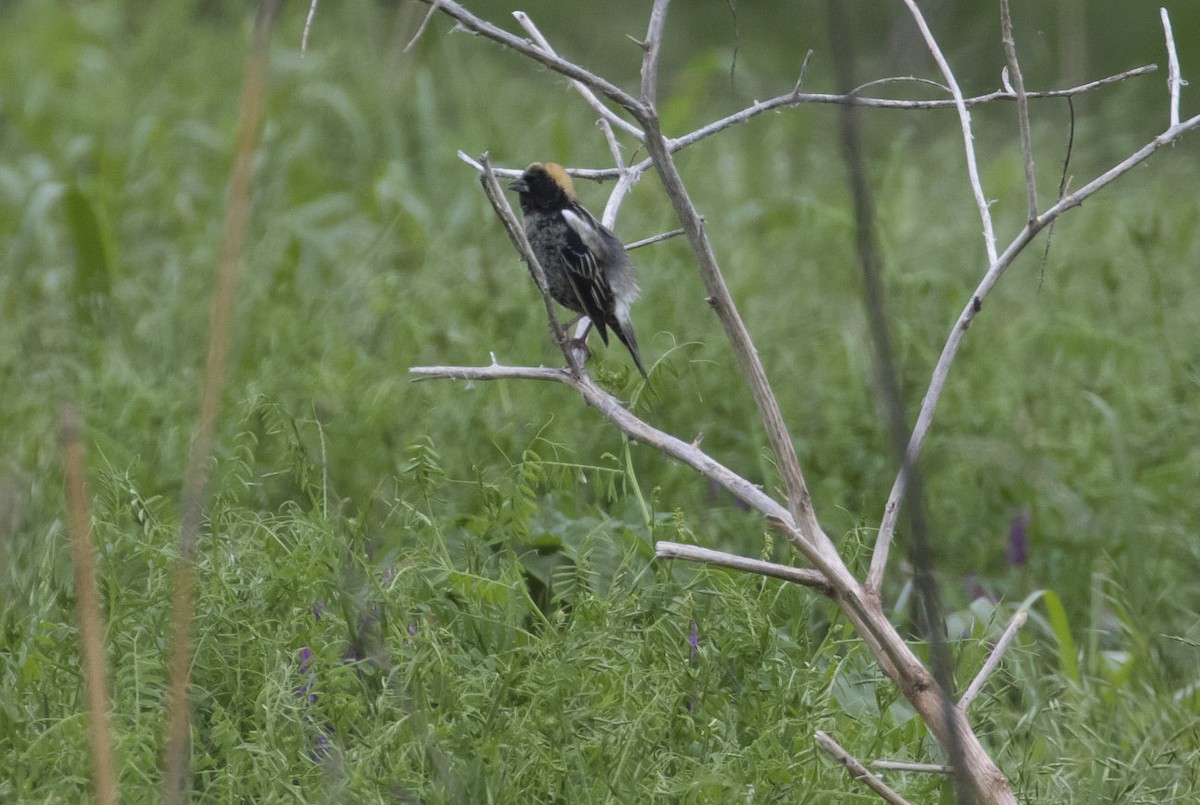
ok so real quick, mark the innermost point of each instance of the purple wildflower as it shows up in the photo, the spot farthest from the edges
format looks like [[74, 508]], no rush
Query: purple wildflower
[[309, 675], [321, 743], [322, 746], [1017, 552]]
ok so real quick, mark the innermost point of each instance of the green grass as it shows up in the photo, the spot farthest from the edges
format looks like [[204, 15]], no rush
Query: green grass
[[470, 566]]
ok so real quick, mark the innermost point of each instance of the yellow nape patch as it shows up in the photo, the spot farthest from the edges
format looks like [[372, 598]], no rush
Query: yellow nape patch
[[559, 175]]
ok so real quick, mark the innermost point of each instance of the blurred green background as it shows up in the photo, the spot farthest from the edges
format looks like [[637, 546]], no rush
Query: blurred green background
[[398, 507]]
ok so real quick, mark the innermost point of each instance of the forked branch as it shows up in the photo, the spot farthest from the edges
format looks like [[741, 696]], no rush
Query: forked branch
[[829, 574]]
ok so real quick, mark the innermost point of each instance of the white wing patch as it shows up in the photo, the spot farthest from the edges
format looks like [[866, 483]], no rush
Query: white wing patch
[[586, 231]]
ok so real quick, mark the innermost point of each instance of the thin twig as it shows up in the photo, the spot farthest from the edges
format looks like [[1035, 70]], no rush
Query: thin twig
[[941, 371], [989, 665], [87, 600], [628, 178], [633, 427], [1174, 79], [637, 244], [904, 765], [964, 119], [493, 371], [250, 115], [605, 113], [803, 72], [614, 146], [1062, 187], [591, 174], [857, 770], [900, 79], [679, 143], [420, 28], [652, 45], [1014, 67], [476, 25], [792, 99], [879, 556], [799, 498], [308, 21], [694, 553]]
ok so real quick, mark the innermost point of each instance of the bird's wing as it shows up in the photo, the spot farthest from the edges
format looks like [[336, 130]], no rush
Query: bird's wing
[[584, 255]]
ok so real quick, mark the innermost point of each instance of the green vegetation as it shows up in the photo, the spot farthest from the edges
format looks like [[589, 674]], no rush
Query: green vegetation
[[444, 593]]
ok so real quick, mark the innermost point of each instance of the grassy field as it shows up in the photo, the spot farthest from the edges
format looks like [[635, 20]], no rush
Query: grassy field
[[437, 592]]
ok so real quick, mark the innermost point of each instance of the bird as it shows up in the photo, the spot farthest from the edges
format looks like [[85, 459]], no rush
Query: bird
[[586, 266]]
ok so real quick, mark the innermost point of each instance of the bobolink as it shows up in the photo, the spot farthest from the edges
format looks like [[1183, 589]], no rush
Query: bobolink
[[586, 266]]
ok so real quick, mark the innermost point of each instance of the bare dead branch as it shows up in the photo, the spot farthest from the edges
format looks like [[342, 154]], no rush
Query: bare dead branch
[[679, 143], [652, 45], [964, 119], [901, 79], [974, 305], [803, 72], [1014, 67], [904, 765], [792, 99], [308, 21], [614, 147], [637, 244], [420, 28], [694, 553], [605, 113], [475, 25], [628, 178], [1174, 80], [799, 499], [494, 371], [797, 520], [989, 665], [632, 426], [857, 770]]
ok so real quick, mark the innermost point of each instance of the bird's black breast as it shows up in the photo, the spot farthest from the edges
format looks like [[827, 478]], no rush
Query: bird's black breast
[[576, 281]]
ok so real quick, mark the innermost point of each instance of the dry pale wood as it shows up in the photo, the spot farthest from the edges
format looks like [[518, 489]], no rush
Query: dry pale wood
[[857, 770], [694, 553], [1014, 67], [1174, 79], [860, 604], [989, 665], [972, 308], [904, 765]]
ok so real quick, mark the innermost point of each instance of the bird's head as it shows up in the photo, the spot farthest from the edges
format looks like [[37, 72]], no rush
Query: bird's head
[[544, 186]]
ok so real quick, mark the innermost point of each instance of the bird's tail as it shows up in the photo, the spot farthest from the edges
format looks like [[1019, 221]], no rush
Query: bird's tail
[[623, 327]]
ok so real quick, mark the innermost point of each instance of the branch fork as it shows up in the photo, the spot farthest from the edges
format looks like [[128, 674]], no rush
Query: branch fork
[[828, 574]]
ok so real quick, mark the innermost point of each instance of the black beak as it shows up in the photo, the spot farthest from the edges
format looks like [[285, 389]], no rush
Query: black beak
[[519, 185]]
